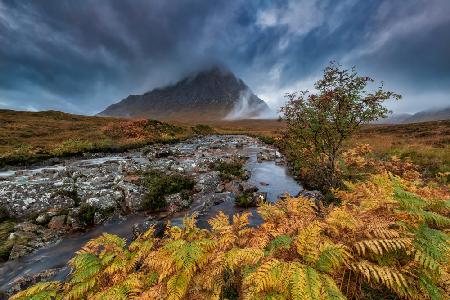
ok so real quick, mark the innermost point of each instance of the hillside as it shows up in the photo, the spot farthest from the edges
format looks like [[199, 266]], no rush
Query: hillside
[[422, 116], [429, 115], [213, 94], [27, 137]]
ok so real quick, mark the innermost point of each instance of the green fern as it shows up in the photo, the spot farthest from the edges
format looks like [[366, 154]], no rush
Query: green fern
[[408, 200], [280, 242], [39, 291], [429, 286], [433, 243], [332, 257], [86, 266]]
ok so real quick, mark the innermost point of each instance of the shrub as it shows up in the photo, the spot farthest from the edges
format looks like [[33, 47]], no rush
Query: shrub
[[202, 129], [269, 140], [158, 185], [245, 200], [86, 214], [143, 130], [73, 146], [4, 214], [319, 123], [5, 244], [229, 169]]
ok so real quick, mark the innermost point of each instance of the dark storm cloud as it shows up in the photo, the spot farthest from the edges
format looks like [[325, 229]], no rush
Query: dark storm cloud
[[81, 56]]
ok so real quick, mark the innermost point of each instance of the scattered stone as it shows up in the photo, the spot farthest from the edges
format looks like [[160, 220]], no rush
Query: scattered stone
[[140, 228], [163, 153], [19, 250], [99, 218], [26, 281], [43, 219], [314, 195], [177, 202], [57, 222], [259, 197], [74, 224], [220, 188], [208, 182], [266, 154], [234, 186], [247, 187]]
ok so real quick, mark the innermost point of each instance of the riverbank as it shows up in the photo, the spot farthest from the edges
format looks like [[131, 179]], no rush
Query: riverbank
[[49, 199]]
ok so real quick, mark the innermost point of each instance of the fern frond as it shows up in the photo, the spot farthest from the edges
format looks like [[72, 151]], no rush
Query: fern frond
[[86, 265], [305, 282], [280, 242], [381, 230], [426, 261], [177, 286], [391, 278], [270, 276], [433, 243], [330, 290], [242, 257], [340, 218], [430, 288], [42, 290], [332, 257], [381, 246], [132, 285], [307, 242], [81, 289], [408, 200]]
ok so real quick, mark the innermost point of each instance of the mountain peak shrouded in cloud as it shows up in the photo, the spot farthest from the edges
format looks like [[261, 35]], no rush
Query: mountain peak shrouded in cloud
[[77, 58], [211, 94]]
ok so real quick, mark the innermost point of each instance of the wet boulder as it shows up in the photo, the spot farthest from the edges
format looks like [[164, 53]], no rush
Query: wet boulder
[[177, 201], [163, 153], [233, 186], [105, 199], [314, 195], [207, 182], [267, 155], [247, 187], [26, 281], [42, 219], [132, 195], [57, 222]]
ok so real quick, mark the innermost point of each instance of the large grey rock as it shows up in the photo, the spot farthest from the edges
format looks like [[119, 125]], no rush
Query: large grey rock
[[207, 182]]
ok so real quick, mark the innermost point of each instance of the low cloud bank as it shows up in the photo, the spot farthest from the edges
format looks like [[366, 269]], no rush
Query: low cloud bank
[[248, 107]]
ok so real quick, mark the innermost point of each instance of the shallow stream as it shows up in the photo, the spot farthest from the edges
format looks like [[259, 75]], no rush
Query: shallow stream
[[268, 176]]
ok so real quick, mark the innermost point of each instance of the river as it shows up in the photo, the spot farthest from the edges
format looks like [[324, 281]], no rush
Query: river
[[267, 176]]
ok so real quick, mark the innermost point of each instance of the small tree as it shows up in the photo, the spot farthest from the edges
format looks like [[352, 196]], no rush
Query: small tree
[[318, 123]]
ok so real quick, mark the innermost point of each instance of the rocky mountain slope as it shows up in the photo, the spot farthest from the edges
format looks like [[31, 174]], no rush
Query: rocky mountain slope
[[213, 94]]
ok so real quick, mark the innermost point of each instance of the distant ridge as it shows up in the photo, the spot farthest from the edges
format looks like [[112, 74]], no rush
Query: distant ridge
[[212, 94], [422, 116]]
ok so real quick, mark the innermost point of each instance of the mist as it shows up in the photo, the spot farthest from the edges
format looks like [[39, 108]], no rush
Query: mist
[[243, 109]]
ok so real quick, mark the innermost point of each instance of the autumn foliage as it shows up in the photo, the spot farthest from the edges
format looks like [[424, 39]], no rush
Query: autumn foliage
[[387, 239], [142, 129]]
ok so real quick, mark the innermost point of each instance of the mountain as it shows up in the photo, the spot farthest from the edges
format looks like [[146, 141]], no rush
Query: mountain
[[393, 119], [422, 116], [212, 94], [429, 115]]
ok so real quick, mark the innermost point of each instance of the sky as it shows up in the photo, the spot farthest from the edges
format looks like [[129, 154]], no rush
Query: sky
[[81, 56]]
